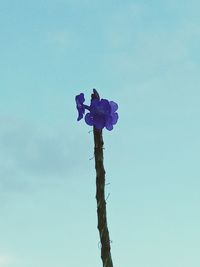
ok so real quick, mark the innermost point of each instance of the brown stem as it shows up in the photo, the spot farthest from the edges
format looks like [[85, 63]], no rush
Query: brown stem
[[100, 195]]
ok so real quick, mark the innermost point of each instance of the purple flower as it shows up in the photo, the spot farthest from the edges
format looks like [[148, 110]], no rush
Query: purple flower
[[80, 99], [102, 114]]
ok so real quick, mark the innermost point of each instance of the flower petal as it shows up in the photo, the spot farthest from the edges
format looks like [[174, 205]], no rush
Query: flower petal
[[115, 118], [80, 106], [109, 127], [80, 99], [114, 106], [89, 119], [109, 123], [80, 115], [105, 106]]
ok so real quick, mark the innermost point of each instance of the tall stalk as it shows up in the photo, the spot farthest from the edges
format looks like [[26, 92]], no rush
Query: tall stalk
[[100, 195]]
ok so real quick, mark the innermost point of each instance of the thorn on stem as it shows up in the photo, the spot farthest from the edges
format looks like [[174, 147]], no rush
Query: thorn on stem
[[107, 196]]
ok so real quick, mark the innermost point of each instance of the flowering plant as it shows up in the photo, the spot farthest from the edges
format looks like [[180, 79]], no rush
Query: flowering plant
[[102, 113]]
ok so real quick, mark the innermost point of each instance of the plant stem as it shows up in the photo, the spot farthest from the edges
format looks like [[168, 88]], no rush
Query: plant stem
[[100, 195]]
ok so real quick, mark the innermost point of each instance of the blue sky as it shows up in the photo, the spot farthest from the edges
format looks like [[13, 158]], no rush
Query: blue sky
[[144, 55]]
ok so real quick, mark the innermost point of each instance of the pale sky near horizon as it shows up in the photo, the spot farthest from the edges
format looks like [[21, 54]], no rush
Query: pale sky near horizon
[[144, 55]]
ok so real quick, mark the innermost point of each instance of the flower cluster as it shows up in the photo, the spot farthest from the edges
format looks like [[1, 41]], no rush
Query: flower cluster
[[102, 113]]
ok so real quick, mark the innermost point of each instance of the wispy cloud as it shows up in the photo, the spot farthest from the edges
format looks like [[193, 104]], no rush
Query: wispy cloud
[[29, 153]]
